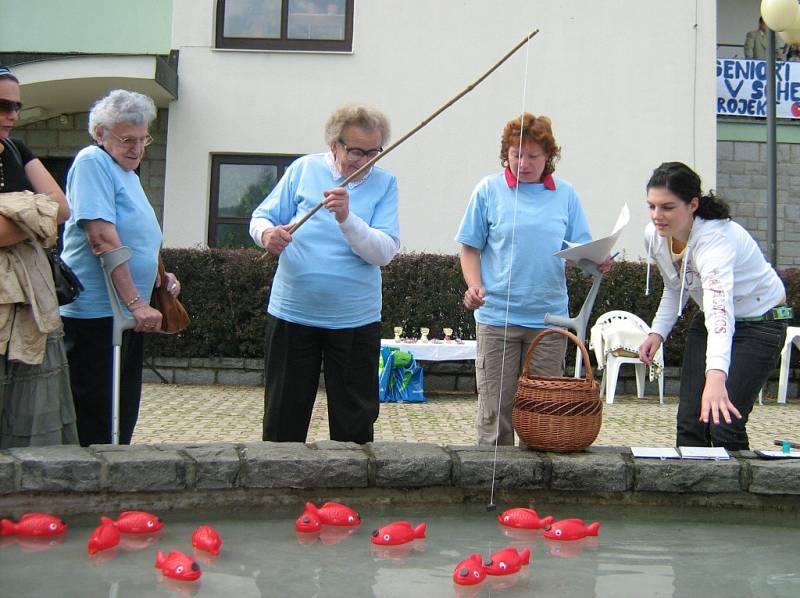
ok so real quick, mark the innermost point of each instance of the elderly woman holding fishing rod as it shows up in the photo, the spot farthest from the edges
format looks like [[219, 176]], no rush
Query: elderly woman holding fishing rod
[[515, 221], [325, 302]]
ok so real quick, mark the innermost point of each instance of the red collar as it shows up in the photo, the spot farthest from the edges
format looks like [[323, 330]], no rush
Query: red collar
[[547, 180]]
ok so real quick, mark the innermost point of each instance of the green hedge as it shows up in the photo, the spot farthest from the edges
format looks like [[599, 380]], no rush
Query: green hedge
[[225, 292]]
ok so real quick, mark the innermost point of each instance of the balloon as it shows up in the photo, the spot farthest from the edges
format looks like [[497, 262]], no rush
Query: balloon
[[779, 15], [791, 35]]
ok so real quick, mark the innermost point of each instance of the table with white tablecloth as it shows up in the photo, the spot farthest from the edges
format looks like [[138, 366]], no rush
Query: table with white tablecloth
[[442, 351]]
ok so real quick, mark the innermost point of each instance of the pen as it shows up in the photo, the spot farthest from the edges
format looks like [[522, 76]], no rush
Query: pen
[[615, 255]]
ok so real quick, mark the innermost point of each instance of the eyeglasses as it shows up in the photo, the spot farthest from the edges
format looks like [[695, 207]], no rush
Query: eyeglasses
[[132, 141], [10, 106], [356, 153]]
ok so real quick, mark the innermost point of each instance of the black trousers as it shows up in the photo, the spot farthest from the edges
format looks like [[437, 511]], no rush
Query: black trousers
[[91, 369], [755, 351], [293, 355]]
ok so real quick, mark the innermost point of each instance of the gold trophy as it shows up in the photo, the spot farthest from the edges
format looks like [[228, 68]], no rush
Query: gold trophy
[[448, 335], [398, 330], [424, 332]]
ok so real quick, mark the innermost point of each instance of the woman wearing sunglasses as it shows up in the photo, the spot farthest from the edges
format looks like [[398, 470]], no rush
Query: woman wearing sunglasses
[[35, 400]]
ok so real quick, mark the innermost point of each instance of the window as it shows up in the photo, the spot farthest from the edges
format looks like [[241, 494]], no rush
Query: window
[[238, 185], [325, 25]]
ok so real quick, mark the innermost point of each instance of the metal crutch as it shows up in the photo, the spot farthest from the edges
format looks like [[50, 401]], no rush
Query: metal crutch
[[122, 322], [581, 321]]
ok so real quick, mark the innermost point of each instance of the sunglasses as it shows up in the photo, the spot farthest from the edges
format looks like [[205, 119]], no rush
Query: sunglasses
[[10, 106]]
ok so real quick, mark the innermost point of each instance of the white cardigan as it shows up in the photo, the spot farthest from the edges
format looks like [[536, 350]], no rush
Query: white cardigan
[[726, 275]]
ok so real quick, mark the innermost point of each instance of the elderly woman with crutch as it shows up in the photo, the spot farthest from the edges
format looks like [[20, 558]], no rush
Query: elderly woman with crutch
[[326, 296], [109, 211]]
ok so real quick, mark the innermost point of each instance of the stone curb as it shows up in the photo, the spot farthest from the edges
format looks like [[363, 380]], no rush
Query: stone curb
[[381, 465]]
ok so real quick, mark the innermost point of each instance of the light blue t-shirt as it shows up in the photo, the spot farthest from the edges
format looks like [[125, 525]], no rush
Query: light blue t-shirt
[[544, 220], [320, 281], [99, 189]]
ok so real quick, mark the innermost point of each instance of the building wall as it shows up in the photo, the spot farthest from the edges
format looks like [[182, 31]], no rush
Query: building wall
[[621, 101], [742, 180], [86, 26], [65, 136]]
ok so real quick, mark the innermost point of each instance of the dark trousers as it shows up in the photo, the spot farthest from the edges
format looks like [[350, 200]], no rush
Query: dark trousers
[[755, 351], [91, 367], [293, 354]]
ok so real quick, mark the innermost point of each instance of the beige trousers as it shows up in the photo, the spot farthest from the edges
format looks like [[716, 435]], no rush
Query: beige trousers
[[496, 373]]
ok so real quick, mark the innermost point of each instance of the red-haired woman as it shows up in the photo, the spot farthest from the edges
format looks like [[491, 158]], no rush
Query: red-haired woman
[[515, 221]]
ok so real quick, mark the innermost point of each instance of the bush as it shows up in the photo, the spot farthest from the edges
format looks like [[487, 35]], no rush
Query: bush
[[225, 292]]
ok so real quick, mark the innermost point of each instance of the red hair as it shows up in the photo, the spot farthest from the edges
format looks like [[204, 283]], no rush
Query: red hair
[[536, 129]]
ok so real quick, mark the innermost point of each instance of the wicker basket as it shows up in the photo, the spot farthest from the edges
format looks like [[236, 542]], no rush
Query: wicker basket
[[557, 414]]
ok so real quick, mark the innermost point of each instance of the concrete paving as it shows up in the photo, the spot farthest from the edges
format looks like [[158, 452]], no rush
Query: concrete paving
[[184, 414]]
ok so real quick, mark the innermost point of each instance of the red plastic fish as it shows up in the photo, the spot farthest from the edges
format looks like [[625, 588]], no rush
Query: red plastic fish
[[507, 561], [138, 522], [398, 532], [33, 525], [571, 529], [523, 518], [177, 565], [206, 538], [470, 571], [307, 523], [104, 536], [334, 513]]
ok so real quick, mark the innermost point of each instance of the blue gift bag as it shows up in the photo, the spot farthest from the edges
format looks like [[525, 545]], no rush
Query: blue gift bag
[[399, 377]]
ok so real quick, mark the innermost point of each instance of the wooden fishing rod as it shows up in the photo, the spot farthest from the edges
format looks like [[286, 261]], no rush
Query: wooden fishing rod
[[436, 113]]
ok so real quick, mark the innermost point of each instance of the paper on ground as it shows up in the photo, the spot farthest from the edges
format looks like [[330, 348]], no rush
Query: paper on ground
[[647, 452], [703, 452], [598, 250]]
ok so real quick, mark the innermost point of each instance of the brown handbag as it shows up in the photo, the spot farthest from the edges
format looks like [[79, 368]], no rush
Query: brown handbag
[[173, 315]]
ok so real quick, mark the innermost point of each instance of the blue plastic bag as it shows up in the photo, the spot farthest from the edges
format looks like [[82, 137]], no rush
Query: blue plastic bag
[[399, 377]]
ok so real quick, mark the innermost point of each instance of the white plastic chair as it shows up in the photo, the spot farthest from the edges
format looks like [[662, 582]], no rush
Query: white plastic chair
[[608, 385], [792, 338]]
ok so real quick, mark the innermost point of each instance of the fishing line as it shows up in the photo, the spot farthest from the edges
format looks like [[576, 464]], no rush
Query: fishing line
[[492, 506]]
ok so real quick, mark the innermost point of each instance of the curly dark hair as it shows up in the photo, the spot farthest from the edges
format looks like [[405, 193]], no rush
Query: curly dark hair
[[536, 129], [684, 183]]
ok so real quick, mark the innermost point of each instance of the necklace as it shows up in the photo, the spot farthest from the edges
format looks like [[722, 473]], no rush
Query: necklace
[[2, 174]]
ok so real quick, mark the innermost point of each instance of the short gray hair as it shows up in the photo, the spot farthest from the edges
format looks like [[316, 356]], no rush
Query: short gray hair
[[365, 117], [121, 106]]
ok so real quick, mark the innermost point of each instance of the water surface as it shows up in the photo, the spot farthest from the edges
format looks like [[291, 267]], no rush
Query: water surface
[[652, 552]]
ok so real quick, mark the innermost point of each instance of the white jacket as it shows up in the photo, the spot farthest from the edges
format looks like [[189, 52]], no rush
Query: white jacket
[[724, 272]]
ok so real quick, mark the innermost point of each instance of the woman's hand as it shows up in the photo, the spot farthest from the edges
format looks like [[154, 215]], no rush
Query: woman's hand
[[173, 285], [337, 201], [275, 239], [473, 297], [649, 348], [715, 399], [606, 264], [147, 318]]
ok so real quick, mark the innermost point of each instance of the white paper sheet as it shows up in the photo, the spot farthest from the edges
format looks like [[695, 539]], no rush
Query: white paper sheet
[[779, 454], [596, 251], [703, 452], [649, 452]]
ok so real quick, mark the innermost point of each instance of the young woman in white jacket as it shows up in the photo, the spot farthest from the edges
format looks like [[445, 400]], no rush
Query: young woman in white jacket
[[734, 341]]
